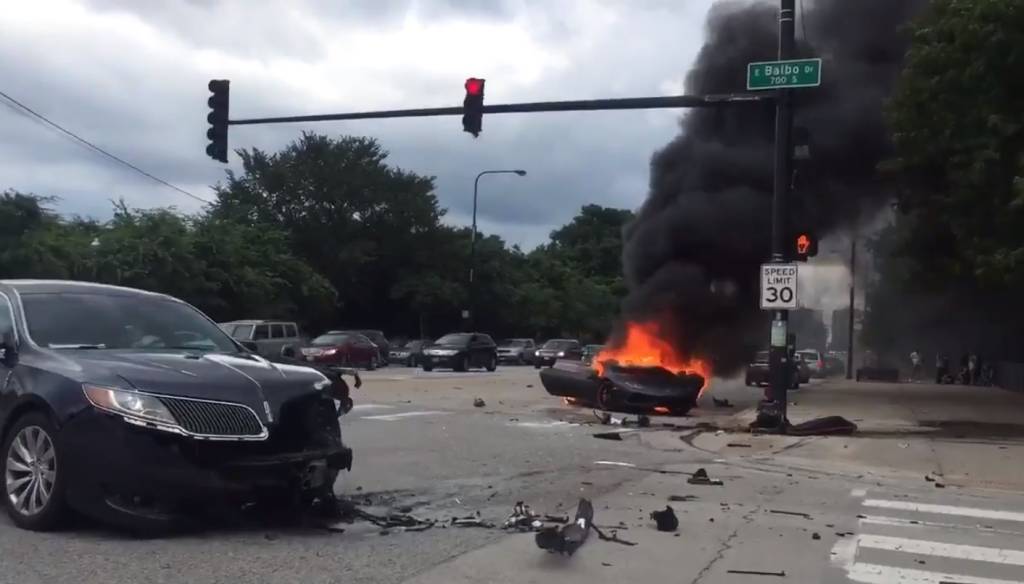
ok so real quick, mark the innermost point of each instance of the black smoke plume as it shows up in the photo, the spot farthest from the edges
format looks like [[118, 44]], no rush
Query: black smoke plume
[[691, 256]]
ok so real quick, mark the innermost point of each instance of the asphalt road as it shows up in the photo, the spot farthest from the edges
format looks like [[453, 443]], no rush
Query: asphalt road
[[420, 442]]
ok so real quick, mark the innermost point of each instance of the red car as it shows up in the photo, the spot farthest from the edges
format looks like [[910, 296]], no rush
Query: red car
[[343, 350]]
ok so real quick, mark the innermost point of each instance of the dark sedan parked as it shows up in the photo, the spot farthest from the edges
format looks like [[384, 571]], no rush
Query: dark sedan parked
[[409, 354], [758, 372], [556, 349], [461, 352], [134, 408]]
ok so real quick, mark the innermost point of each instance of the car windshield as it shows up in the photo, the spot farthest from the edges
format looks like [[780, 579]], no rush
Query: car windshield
[[453, 339], [330, 340], [119, 321], [559, 345]]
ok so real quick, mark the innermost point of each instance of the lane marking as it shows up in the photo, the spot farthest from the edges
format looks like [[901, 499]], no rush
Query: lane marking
[[859, 493], [396, 417], [372, 407], [614, 463], [902, 522], [945, 550], [946, 510], [879, 574]]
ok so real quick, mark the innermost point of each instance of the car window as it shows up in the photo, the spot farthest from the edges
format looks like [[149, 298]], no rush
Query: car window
[[242, 332], [277, 331], [261, 332], [6, 322], [291, 331], [453, 339], [330, 340], [485, 339], [119, 321]]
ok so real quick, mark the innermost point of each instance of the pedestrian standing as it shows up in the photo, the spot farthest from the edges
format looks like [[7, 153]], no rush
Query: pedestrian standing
[[915, 361]]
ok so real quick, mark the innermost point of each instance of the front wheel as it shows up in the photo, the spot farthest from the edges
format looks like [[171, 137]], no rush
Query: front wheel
[[372, 365], [428, 368], [463, 364], [33, 479], [492, 365]]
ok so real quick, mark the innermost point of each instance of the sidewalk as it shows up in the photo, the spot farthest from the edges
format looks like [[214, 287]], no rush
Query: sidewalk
[[962, 436]]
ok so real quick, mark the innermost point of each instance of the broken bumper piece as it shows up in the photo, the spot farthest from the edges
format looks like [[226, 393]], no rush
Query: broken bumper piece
[[632, 390]]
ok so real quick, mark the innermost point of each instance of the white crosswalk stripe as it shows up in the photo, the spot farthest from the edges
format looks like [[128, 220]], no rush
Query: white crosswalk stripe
[[968, 544]]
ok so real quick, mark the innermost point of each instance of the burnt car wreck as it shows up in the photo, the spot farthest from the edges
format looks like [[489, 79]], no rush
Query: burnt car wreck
[[625, 389], [136, 409]]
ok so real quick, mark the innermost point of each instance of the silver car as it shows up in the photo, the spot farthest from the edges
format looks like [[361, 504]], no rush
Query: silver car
[[268, 337], [516, 351]]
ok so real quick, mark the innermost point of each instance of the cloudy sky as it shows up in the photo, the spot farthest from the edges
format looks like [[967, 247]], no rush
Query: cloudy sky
[[130, 75]]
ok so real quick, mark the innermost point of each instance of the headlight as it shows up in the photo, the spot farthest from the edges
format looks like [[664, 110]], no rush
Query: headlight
[[561, 353], [447, 352], [129, 403]]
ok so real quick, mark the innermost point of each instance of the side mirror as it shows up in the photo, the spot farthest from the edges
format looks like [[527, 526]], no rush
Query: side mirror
[[8, 349], [251, 346]]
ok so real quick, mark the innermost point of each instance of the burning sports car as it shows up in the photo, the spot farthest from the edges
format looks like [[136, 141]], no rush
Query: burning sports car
[[135, 408], [642, 375]]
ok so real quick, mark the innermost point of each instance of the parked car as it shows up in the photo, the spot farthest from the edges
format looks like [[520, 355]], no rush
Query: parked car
[[591, 351], [516, 351], [556, 349], [378, 339], [758, 372], [815, 362], [134, 407], [461, 352], [834, 366], [269, 337], [343, 350], [803, 370], [410, 353]]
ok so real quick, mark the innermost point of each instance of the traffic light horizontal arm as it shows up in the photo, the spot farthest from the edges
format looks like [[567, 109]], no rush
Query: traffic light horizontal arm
[[628, 103]]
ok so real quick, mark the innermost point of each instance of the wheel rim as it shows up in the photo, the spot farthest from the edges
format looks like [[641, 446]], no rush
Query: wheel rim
[[31, 470]]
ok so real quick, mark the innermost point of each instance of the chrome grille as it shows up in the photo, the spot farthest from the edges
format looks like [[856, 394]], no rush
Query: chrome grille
[[213, 418]]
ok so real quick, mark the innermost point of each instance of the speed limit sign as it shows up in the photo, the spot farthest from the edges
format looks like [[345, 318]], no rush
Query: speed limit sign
[[778, 286]]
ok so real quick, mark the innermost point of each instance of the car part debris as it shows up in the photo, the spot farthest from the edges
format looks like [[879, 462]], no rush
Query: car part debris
[[781, 574], [567, 539], [470, 521], [721, 403], [609, 436], [815, 536], [630, 390], [827, 426], [479, 403], [682, 498], [796, 513], [614, 537], [700, 477], [738, 445], [665, 519]]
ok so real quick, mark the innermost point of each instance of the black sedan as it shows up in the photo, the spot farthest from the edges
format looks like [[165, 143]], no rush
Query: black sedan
[[461, 352], [758, 372], [136, 409], [555, 349]]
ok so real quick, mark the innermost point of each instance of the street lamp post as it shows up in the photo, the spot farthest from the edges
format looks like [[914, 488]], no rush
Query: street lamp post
[[469, 313]]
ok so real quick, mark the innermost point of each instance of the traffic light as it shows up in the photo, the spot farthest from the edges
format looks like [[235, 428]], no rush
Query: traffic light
[[218, 118], [805, 245], [473, 107]]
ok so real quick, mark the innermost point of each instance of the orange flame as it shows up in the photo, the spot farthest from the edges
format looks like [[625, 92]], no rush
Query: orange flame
[[644, 347]]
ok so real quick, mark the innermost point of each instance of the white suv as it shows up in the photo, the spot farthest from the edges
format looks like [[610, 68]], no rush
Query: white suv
[[815, 361]]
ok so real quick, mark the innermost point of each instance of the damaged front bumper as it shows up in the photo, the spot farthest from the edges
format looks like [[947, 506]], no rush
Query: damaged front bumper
[[138, 477]]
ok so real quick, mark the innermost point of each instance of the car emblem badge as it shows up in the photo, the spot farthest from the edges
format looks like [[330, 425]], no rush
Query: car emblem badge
[[266, 408]]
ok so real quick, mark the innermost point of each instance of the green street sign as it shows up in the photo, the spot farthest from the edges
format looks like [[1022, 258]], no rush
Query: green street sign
[[784, 74]]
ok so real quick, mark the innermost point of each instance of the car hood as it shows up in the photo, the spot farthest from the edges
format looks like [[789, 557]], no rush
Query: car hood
[[245, 379]]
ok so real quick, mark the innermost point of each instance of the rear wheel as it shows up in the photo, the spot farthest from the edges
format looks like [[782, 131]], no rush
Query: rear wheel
[[492, 365], [372, 365], [427, 368], [536, 365], [32, 476]]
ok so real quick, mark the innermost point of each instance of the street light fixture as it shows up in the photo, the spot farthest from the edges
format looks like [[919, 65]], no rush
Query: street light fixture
[[468, 314]]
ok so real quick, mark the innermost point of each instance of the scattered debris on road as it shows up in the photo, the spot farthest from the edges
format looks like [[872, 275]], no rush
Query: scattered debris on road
[[683, 498], [614, 537], [479, 402], [567, 539], [781, 574], [829, 425], [738, 445], [700, 477], [929, 478], [665, 519], [796, 513], [721, 403], [609, 436], [815, 536]]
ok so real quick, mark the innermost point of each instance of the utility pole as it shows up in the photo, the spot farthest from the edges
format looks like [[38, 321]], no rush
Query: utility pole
[[853, 283], [470, 313], [781, 365]]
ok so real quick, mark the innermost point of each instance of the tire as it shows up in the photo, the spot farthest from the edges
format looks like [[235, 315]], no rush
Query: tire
[[536, 365], [372, 365], [463, 365], [54, 508], [493, 364], [427, 368], [411, 362]]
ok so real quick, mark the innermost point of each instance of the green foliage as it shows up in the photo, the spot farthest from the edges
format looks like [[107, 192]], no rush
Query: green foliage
[[326, 232]]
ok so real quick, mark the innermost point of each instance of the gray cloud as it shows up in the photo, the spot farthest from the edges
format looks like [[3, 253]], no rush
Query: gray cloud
[[131, 76]]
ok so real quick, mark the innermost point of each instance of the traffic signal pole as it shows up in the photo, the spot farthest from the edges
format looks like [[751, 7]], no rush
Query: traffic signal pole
[[781, 366]]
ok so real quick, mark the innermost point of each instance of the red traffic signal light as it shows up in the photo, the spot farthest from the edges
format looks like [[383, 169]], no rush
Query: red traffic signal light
[[473, 107], [806, 245]]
